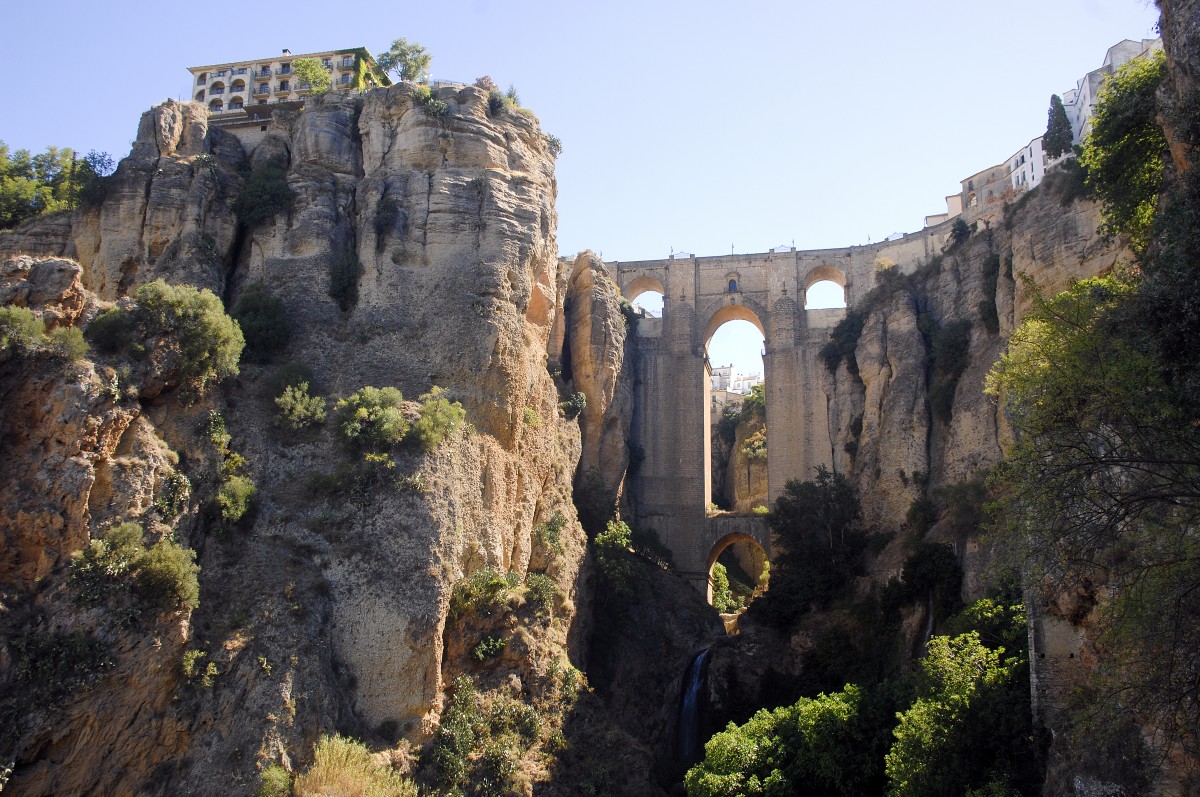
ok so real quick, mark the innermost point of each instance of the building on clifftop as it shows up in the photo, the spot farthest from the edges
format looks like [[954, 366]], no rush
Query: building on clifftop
[[237, 86]]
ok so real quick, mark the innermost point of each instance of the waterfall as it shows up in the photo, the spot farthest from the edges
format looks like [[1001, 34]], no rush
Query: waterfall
[[690, 748]]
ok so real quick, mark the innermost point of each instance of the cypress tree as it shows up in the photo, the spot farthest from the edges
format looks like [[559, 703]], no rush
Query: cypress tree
[[1058, 129]]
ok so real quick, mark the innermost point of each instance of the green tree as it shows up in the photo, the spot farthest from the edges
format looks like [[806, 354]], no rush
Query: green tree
[[819, 746], [311, 72], [970, 726], [821, 545], [408, 60], [722, 595], [439, 417], [1103, 481], [1123, 152], [55, 180], [1058, 129]]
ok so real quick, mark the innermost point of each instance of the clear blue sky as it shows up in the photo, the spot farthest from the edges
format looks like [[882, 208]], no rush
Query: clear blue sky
[[695, 125]]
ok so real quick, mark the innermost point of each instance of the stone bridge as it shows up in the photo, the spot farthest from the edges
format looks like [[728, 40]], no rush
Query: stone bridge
[[672, 487]]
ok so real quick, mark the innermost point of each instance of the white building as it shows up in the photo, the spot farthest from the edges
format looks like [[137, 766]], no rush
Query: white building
[[1027, 166], [1080, 102], [236, 85], [721, 377]]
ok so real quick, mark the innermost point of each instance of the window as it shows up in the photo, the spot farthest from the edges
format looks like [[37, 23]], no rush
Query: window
[[733, 286], [201, 79], [283, 86]]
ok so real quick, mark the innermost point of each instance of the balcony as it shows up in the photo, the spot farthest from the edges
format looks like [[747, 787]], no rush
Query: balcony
[[287, 70], [283, 88], [261, 91], [262, 73], [346, 64], [302, 88]]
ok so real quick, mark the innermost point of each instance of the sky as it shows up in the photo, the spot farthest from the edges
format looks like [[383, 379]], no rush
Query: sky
[[702, 127]]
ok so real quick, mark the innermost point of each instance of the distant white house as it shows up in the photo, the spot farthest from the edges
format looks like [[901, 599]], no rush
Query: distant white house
[[1080, 102]]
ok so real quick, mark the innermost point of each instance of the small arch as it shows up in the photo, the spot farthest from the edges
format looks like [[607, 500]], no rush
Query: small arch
[[238, 85], [733, 286], [216, 105], [825, 288], [746, 555], [200, 95], [732, 282], [236, 104], [201, 78], [642, 284]]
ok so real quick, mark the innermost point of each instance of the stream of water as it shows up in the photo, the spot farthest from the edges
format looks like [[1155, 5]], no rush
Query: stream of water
[[690, 745]]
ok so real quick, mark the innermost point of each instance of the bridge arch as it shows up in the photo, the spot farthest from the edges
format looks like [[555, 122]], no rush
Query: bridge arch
[[824, 273], [642, 284], [752, 554], [720, 312]]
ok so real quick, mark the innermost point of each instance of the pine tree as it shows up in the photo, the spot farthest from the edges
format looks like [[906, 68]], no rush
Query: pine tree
[[1058, 129]]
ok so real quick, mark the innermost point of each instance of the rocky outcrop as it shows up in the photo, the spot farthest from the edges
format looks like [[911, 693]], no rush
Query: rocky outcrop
[[327, 609], [596, 334]]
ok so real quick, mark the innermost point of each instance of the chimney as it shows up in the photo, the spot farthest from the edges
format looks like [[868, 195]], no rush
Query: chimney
[[286, 51]]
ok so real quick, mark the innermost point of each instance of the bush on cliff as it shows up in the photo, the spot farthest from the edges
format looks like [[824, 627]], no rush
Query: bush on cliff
[[164, 575], [298, 409], [265, 193], [189, 321], [344, 766], [370, 418], [439, 418], [263, 322]]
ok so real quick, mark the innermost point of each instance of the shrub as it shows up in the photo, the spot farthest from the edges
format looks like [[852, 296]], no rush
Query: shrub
[[933, 572], [497, 102], [297, 409], [532, 418], [439, 417], [20, 329], [345, 767], [843, 341], [549, 533], [543, 590], [488, 647], [274, 781], [960, 231], [234, 497], [370, 418], [195, 671], [387, 213], [68, 343], [209, 341], [166, 576], [344, 271], [289, 375], [482, 592], [950, 346], [572, 407], [431, 105], [553, 144], [100, 569], [173, 493], [265, 194], [49, 667], [113, 331], [263, 322]]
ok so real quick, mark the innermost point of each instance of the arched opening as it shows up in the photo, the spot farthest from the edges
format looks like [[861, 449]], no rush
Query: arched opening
[[738, 573], [646, 295], [216, 88], [235, 104], [238, 85], [733, 286], [825, 289], [200, 95], [216, 106], [735, 403]]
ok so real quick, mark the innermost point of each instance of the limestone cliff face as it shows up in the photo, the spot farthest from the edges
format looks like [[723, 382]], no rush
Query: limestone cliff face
[[597, 334], [904, 448], [328, 610]]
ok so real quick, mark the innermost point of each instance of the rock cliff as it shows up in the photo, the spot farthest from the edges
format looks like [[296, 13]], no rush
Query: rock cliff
[[326, 608]]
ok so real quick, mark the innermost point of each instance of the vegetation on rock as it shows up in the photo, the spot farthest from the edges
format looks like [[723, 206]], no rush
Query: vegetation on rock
[[408, 60], [264, 323], [265, 194], [1057, 139], [56, 180]]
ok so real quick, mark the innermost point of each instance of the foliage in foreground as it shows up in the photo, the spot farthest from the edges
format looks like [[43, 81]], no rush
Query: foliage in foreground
[[963, 727], [1123, 152]]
